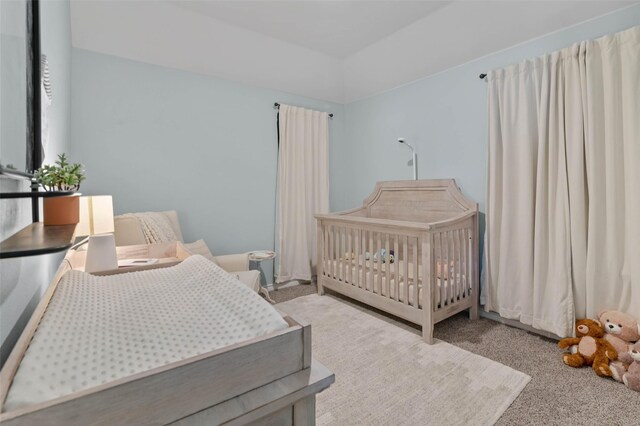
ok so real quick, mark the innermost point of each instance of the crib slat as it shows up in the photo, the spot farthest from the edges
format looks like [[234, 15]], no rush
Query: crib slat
[[319, 245], [443, 270], [463, 262], [405, 272], [336, 248], [336, 231], [342, 254], [347, 259], [356, 258], [371, 271], [470, 278], [452, 260], [456, 264], [363, 250], [447, 293], [345, 264], [387, 266], [325, 249], [379, 265], [339, 253], [416, 278], [460, 262], [455, 246], [331, 265], [434, 268], [396, 275], [465, 259]]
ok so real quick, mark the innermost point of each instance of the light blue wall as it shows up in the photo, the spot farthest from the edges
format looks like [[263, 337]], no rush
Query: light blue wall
[[158, 139], [445, 117], [23, 280]]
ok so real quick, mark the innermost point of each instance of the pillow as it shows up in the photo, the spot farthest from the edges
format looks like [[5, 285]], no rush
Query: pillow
[[199, 247]]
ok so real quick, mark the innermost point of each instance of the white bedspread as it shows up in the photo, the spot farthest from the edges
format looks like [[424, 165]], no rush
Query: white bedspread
[[98, 329]]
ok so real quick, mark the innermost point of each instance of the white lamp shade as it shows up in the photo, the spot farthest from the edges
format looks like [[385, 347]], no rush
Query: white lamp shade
[[96, 215], [101, 253]]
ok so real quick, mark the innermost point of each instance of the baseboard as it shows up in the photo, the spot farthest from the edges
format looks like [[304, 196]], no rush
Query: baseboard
[[494, 316]]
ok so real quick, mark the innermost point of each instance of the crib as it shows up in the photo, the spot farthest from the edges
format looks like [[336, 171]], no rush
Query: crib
[[411, 250]]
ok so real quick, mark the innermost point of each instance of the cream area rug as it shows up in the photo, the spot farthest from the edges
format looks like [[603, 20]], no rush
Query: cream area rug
[[387, 375]]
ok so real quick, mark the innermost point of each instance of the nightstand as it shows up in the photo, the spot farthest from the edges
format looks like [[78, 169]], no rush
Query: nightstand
[[257, 257]]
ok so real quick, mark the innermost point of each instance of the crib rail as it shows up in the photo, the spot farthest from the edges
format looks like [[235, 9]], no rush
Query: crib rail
[[389, 261]]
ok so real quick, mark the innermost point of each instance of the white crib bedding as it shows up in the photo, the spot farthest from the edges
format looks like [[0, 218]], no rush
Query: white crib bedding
[[389, 291], [99, 329]]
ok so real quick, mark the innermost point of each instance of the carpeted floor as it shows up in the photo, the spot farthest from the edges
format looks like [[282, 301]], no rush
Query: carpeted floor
[[556, 394]]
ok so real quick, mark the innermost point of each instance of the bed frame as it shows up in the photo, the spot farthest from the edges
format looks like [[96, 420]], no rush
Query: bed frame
[[432, 230], [270, 379]]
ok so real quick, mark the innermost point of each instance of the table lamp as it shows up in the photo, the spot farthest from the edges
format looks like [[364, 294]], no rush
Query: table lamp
[[96, 222]]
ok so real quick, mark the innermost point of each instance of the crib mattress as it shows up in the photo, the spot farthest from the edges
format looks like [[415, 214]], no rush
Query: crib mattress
[[99, 329], [389, 290]]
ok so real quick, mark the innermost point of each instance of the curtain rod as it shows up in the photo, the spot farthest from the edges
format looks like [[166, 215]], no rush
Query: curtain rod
[[482, 76], [276, 105]]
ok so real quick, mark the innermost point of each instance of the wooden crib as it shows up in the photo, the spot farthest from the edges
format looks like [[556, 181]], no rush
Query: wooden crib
[[422, 232]]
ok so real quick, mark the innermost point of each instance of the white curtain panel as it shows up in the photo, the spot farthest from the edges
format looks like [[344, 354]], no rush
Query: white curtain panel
[[563, 195], [611, 89], [303, 189]]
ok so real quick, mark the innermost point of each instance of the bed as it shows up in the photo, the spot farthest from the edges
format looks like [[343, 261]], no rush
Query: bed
[[411, 250], [122, 349]]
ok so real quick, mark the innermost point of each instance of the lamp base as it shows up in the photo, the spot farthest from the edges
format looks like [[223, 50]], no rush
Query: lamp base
[[101, 253]]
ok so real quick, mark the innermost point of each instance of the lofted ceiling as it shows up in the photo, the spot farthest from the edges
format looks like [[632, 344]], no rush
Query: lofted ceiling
[[336, 51]]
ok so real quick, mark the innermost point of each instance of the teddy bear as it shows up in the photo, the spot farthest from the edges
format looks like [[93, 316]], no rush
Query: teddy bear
[[621, 330], [632, 377], [591, 348]]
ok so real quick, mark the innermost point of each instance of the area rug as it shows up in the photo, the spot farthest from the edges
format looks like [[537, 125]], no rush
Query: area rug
[[387, 375]]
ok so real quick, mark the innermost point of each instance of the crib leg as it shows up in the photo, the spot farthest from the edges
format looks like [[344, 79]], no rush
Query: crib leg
[[320, 288], [427, 333], [473, 312]]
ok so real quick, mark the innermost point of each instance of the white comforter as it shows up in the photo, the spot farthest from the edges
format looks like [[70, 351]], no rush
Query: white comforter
[[99, 329]]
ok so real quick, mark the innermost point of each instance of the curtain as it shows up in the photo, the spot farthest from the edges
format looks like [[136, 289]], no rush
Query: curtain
[[303, 189], [563, 187], [611, 87]]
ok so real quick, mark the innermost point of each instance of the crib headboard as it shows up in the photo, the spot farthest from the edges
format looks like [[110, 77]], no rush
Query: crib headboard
[[427, 200]]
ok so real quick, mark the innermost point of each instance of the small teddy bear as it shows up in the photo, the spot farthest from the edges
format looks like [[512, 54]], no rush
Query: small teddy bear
[[632, 377], [591, 348], [622, 330]]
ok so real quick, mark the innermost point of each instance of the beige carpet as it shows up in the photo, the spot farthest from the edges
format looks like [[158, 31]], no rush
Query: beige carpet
[[386, 374]]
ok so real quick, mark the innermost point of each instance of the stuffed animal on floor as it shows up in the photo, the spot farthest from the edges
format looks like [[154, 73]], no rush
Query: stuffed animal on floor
[[632, 377], [621, 330], [592, 348]]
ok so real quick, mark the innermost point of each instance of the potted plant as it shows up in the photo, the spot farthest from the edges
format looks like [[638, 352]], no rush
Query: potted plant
[[61, 176]]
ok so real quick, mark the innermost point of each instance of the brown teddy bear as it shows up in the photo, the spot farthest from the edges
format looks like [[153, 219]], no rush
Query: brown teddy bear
[[592, 348], [622, 330], [632, 377]]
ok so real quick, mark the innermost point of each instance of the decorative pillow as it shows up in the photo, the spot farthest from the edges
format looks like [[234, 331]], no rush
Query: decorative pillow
[[199, 247]]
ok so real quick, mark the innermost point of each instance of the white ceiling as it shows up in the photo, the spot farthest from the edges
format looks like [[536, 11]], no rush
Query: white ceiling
[[336, 51], [337, 28]]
